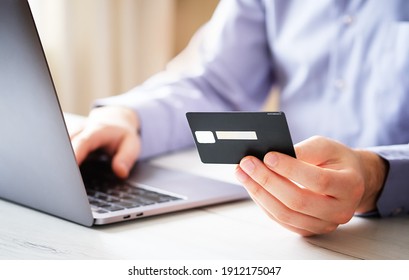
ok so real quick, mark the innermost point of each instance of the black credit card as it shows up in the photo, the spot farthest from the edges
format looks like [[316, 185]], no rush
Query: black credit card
[[227, 137]]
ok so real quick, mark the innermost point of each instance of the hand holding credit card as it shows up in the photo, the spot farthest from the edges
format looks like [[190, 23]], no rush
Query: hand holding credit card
[[227, 137]]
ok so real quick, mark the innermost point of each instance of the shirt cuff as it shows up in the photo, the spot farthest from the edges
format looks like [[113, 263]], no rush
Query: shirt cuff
[[148, 112], [394, 198], [163, 125]]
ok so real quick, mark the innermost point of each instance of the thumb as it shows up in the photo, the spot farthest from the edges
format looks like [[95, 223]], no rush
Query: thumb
[[317, 150]]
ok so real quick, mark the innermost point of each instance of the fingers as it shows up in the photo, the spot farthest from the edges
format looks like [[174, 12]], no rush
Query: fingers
[[312, 194], [122, 144], [86, 142], [321, 165], [300, 200], [315, 150], [126, 156], [315, 178], [293, 220], [114, 129], [81, 147]]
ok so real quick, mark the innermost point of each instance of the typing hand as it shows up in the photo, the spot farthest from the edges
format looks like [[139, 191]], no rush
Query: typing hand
[[113, 129], [318, 191]]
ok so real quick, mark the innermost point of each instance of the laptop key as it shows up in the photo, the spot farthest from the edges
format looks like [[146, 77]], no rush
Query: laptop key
[[121, 195], [112, 208], [127, 204]]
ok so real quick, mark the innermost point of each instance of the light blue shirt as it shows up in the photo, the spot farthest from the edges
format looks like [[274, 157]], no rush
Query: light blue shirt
[[342, 67]]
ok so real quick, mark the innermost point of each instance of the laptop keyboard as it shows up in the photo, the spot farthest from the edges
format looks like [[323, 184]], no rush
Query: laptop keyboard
[[106, 193], [122, 196]]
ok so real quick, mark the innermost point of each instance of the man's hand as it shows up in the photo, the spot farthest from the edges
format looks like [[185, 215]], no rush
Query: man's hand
[[318, 191], [115, 130]]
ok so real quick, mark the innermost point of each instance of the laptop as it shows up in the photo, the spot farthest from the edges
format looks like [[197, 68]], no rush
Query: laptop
[[37, 164]]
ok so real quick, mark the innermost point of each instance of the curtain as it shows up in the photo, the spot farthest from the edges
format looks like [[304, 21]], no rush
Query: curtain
[[99, 48]]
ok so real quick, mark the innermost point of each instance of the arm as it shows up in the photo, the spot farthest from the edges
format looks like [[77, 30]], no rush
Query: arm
[[233, 72]]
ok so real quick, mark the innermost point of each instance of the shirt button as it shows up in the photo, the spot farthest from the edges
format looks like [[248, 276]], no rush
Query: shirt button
[[348, 19], [397, 211], [339, 84]]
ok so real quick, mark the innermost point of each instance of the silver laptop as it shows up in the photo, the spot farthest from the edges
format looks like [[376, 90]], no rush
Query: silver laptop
[[37, 164]]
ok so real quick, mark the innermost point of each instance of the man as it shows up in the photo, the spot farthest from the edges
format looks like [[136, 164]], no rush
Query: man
[[342, 69]]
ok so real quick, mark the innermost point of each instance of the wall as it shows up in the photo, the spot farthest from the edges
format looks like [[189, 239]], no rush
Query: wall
[[99, 48]]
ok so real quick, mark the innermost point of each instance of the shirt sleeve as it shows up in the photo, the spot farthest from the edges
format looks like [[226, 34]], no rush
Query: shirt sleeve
[[394, 199], [233, 72]]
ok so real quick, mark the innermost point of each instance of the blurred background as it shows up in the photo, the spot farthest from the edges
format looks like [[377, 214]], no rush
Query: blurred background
[[99, 48]]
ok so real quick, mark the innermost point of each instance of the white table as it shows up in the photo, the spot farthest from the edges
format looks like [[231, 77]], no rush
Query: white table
[[238, 230]]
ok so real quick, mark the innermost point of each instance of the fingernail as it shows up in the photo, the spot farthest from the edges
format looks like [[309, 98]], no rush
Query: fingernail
[[271, 159], [247, 165], [123, 169]]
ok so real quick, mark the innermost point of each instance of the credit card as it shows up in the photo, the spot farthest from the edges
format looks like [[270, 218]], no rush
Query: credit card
[[227, 137]]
